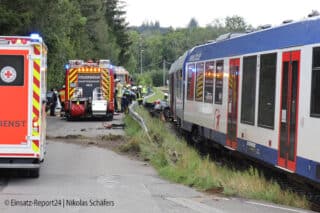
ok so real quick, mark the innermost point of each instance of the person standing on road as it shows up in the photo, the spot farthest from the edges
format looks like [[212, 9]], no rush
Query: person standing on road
[[53, 103], [125, 99], [119, 95]]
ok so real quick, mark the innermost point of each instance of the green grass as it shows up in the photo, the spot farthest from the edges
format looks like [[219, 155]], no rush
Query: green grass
[[158, 95], [178, 162]]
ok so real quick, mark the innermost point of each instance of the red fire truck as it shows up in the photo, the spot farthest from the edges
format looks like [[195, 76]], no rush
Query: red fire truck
[[22, 116], [122, 74], [89, 90]]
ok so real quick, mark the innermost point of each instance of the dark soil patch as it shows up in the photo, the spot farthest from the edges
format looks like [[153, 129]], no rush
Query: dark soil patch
[[113, 142]]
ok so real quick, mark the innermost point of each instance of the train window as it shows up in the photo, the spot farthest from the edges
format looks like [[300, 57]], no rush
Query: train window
[[176, 85], [199, 81], [219, 83], [208, 82], [178, 82], [315, 84], [267, 86], [190, 81], [248, 89]]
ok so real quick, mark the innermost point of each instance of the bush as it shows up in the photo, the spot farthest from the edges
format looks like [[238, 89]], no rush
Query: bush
[[152, 78]]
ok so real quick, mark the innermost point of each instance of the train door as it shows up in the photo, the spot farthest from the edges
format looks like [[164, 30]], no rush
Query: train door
[[289, 110], [172, 93], [233, 103]]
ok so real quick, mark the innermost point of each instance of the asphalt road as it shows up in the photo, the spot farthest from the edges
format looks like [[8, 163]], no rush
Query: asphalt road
[[87, 178]]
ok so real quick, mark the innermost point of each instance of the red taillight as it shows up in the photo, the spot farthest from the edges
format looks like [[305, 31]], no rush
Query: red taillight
[[18, 41], [157, 102]]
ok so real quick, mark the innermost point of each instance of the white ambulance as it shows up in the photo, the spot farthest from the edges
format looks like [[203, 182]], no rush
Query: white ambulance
[[23, 67]]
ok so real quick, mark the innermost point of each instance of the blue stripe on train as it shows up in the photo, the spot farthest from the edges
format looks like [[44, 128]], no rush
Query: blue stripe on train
[[307, 168], [258, 151], [304, 167]]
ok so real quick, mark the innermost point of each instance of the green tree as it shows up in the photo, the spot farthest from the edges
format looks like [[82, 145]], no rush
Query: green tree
[[235, 24], [193, 23], [115, 17]]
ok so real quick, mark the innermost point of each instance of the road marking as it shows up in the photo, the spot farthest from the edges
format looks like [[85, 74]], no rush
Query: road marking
[[275, 207], [194, 205]]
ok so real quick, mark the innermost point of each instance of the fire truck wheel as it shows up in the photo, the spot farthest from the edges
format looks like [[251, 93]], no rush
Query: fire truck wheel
[[34, 173], [68, 117], [109, 117]]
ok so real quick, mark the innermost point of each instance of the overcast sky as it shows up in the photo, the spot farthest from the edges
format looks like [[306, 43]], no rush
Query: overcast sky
[[177, 13]]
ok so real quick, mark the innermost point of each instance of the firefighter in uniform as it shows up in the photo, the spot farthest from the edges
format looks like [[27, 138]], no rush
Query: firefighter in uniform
[[62, 96], [144, 91], [139, 95], [125, 100], [119, 95], [53, 103]]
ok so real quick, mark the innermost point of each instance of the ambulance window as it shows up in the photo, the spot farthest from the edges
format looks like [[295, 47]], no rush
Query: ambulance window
[[11, 70]]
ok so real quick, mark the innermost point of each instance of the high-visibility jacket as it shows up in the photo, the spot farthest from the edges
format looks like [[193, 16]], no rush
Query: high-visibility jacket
[[62, 95], [144, 90], [139, 96], [119, 88]]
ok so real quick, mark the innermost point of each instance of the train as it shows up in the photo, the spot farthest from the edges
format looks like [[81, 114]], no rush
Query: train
[[255, 93]]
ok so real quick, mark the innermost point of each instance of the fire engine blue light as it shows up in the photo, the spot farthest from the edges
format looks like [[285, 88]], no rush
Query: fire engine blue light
[[34, 36], [67, 66]]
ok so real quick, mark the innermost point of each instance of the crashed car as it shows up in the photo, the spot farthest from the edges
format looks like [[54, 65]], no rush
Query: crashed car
[[161, 107]]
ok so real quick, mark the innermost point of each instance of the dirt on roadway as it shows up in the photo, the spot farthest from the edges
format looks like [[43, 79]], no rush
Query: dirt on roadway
[[88, 132]]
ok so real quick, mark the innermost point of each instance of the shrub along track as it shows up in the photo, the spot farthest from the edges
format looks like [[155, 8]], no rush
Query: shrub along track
[[238, 162]]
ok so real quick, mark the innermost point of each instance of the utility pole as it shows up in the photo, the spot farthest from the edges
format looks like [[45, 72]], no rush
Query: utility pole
[[141, 50], [164, 72]]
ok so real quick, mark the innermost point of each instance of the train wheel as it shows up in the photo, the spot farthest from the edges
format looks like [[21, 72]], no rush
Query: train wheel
[[166, 113], [195, 135]]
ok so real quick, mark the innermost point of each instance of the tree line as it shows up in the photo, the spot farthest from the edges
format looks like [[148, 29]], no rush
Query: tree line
[[98, 29], [153, 46], [72, 29]]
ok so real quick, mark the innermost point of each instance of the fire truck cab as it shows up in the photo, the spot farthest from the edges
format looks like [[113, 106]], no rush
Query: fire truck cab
[[22, 117]]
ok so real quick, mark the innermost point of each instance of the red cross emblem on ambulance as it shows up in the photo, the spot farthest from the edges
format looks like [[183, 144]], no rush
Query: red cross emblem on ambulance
[[8, 74]]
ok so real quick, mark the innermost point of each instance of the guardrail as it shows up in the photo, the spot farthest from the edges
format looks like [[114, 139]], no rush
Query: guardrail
[[138, 118]]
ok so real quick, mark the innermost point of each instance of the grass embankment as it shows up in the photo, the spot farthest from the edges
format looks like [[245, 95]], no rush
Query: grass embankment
[[157, 95], [178, 162]]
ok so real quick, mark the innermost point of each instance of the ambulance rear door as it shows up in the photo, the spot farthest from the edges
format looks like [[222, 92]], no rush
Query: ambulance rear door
[[15, 107]]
